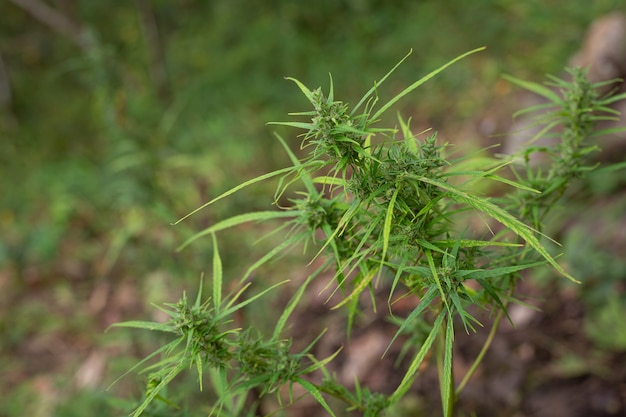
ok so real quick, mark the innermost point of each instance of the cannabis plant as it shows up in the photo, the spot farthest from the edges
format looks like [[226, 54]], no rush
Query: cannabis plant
[[384, 208]]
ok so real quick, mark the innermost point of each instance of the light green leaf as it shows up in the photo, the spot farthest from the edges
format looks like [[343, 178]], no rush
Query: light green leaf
[[237, 188], [407, 380], [409, 138], [447, 383], [305, 90], [330, 181], [377, 84], [275, 251], [435, 275], [469, 243], [237, 220], [232, 308], [534, 87], [420, 82], [162, 384], [387, 223], [315, 393], [166, 348], [217, 275], [295, 300], [146, 325], [481, 204], [428, 298], [365, 281], [297, 125]]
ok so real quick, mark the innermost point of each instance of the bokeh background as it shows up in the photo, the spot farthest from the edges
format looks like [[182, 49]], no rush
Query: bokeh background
[[119, 117]]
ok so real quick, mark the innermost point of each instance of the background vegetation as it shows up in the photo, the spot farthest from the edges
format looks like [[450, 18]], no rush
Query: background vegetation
[[116, 120]]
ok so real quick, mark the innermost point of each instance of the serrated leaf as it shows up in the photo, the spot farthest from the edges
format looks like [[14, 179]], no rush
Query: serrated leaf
[[293, 303], [534, 87], [421, 81], [407, 380], [358, 289], [217, 275], [377, 84], [315, 393], [146, 325], [425, 301], [237, 188], [447, 383], [230, 308], [237, 220], [522, 230], [303, 88]]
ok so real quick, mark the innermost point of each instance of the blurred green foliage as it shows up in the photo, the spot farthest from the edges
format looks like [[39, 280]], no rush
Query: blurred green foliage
[[130, 114]]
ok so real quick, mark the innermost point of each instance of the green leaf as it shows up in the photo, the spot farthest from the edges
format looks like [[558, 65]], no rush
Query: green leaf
[[428, 298], [230, 308], [522, 230], [433, 271], [534, 87], [407, 380], [420, 82], [237, 220], [286, 244], [304, 89], [295, 300], [315, 393], [377, 84], [217, 275], [317, 364], [237, 188], [162, 384], [387, 223], [146, 325], [496, 272], [448, 383], [304, 177], [358, 289]]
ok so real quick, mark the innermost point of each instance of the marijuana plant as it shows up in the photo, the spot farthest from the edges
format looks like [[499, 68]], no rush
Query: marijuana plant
[[380, 205]]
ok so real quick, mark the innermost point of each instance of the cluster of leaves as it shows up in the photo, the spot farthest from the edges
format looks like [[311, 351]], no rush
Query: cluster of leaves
[[238, 360], [567, 120], [384, 207]]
